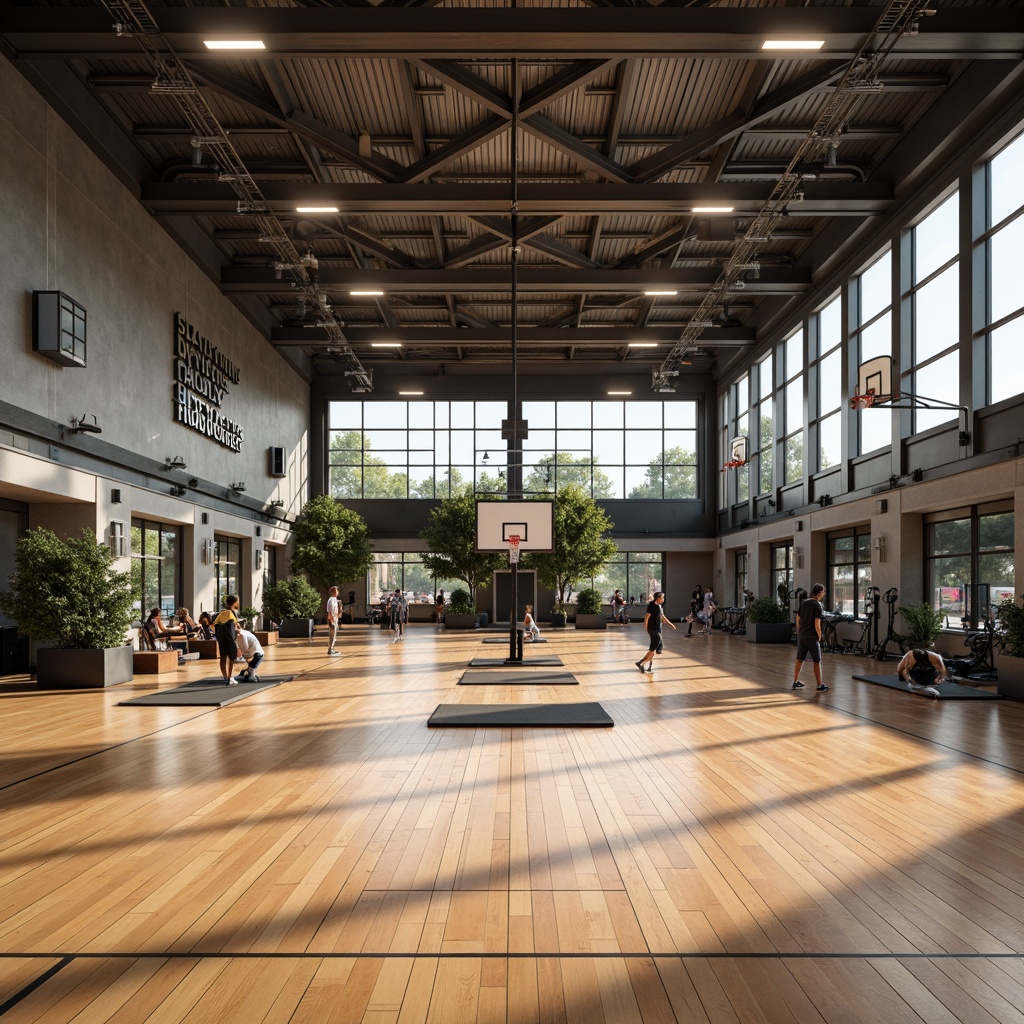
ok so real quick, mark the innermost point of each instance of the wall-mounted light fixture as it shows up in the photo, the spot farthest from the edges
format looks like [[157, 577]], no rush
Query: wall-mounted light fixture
[[81, 424], [117, 539], [879, 545], [179, 490], [259, 558], [238, 488], [206, 551], [175, 463]]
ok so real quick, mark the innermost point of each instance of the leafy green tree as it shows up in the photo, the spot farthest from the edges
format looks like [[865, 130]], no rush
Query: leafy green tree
[[331, 543], [581, 544], [355, 473], [451, 482], [766, 451], [65, 593], [293, 598], [678, 468], [451, 534], [553, 472]]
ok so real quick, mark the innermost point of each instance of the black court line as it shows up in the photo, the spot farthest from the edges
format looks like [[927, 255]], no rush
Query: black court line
[[34, 984], [546, 955]]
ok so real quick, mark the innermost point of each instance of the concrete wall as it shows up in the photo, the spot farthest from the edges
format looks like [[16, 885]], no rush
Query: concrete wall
[[69, 225]]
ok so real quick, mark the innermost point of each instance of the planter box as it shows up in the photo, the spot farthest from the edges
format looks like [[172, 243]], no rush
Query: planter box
[[267, 637], [466, 621], [769, 632], [421, 613], [558, 620], [296, 629], [84, 670], [206, 649], [1011, 677], [597, 621], [154, 662]]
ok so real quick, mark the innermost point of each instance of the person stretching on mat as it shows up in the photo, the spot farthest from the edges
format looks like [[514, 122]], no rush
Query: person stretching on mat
[[250, 649], [808, 636], [921, 669]]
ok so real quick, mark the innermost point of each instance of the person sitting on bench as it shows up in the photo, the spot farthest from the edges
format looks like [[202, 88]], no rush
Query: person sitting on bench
[[187, 626], [205, 626], [154, 628], [921, 669]]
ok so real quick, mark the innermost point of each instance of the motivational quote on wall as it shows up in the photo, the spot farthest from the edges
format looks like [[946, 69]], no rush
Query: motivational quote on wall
[[202, 375]]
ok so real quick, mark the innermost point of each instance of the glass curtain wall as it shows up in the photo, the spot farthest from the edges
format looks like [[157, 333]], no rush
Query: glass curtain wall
[[791, 352], [871, 298], [764, 441], [1001, 246], [935, 312], [828, 377], [432, 449], [740, 427]]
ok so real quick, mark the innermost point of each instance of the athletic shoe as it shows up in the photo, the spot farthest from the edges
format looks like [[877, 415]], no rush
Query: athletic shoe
[[798, 685], [823, 688], [253, 679], [640, 665], [230, 682], [334, 654]]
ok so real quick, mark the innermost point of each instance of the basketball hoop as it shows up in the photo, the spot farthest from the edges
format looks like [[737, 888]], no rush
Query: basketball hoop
[[513, 549], [862, 401], [733, 464]]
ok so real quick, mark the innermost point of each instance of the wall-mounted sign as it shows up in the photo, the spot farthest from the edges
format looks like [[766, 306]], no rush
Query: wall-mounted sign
[[202, 375]]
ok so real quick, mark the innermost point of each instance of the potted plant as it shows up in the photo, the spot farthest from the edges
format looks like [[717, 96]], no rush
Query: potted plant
[[461, 612], [768, 622], [921, 624], [1010, 667], [330, 543], [249, 615], [582, 547], [66, 597], [293, 603], [588, 610]]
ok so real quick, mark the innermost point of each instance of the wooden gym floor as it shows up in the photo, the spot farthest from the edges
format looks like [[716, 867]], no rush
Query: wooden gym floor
[[731, 851]]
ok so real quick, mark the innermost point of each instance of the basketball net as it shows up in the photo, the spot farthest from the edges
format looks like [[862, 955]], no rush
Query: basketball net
[[865, 401], [513, 549]]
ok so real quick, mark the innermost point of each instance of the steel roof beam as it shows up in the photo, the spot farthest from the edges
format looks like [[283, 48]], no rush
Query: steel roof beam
[[74, 32], [773, 280], [821, 198], [721, 337]]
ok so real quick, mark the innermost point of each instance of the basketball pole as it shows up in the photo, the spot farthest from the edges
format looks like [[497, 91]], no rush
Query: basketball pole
[[515, 652]]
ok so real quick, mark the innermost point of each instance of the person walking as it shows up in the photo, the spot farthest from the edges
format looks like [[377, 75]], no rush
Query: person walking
[[696, 606], [708, 610], [439, 609], [250, 649], [808, 637], [619, 608], [653, 619], [225, 629], [333, 617], [398, 612]]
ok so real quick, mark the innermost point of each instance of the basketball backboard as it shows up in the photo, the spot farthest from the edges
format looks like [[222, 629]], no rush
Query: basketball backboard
[[738, 449], [874, 377], [532, 521]]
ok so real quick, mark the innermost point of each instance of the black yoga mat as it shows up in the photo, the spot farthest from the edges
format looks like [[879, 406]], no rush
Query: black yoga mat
[[947, 690], [529, 661], [205, 693], [472, 715], [517, 676], [504, 640]]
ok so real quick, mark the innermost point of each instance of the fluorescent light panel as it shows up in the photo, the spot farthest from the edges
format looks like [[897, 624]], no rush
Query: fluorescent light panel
[[620, 392], [410, 392], [643, 344], [713, 209], [366, 293], [385, 344], [316, 209], [665, 291], [234, 44], [792, 44]]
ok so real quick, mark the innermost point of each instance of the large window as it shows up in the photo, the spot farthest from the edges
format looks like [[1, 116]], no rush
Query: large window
[[791, 352], [782, 571], [638, 574], [1003, 244], [969, 561], [764, 439], [740, 427], [227, 560], [156, 567], [405, 571], [740, 594], [934, 297], [849, 570], [828, 388], [871, 296], [433, 449]]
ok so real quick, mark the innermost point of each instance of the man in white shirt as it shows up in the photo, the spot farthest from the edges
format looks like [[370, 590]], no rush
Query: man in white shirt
[[250, 649], [333, 618]]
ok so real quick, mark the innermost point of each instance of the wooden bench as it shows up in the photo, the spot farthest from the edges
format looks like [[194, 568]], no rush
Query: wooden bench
[[267, 637], [154, 662], [204, 648]]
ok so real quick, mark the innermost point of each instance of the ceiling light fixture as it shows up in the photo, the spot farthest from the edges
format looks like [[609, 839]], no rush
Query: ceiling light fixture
[[642, 344], [712, 209], [234, 44], [620, 392], [792, 44], [410, 392], [385, 344], [316, 209], [368, 292], [655, 292]]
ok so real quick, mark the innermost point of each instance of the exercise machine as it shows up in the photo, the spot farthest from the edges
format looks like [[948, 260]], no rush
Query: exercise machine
[[881, 651]]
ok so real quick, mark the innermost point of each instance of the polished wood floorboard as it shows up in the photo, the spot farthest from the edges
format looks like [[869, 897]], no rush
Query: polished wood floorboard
[[731, 851]]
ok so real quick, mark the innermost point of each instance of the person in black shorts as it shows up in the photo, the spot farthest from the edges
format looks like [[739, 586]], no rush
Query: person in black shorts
[[922, 669], [652, 623], [808, 636]]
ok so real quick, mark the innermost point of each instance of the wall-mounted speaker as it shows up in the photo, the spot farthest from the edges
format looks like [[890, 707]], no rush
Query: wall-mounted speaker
[[115, 495], [275, 461], [881, 506]]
